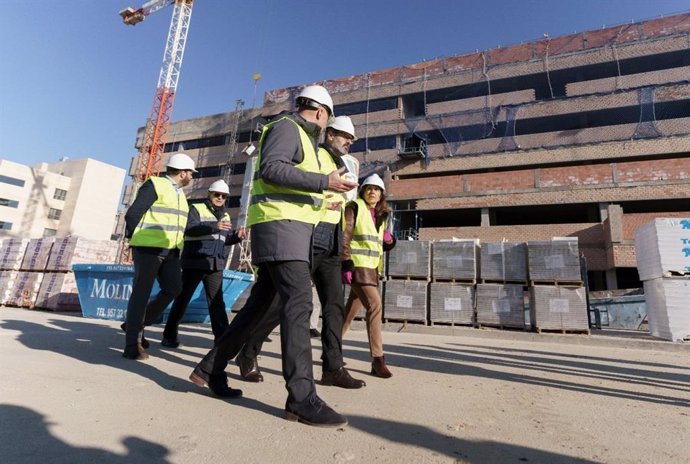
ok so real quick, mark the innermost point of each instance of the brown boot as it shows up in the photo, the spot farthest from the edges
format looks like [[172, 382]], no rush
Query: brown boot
[[379, 368]]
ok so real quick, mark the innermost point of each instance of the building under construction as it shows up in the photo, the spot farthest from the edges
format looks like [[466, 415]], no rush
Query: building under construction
[[585, 135]]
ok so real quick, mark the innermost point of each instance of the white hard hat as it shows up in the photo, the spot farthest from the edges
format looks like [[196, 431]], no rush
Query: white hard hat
[[344, 124], [318, 94], [219, 186], [181, 162], [373, 179]]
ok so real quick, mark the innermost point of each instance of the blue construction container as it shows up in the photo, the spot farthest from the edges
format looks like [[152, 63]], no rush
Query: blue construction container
[[620, 312], [104, 290]]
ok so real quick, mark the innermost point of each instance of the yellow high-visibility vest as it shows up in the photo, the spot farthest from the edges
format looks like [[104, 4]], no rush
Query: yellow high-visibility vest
[[163, 225], [271, 202], [366, 246], [206, 215], [328, 166]]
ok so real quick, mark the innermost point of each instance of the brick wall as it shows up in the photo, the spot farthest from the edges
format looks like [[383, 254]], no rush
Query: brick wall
[[497, 181], [562, 195], [600, 175], [664, 169], [576, 175], [624, 256], [632, 221]]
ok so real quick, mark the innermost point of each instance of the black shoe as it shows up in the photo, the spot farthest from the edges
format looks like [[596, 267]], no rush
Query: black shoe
[[170, 342], [341, 378], [136, 352], [314, 333], [144, 343], [249, 368], [218, 384], [313, 411]]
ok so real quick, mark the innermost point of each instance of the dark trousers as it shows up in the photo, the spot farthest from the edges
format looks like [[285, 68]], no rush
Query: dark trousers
[[147, 268], [213, 287], [290, 280], [327, 279]]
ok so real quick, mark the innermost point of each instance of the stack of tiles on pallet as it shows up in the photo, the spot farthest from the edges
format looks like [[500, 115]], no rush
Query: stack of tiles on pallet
[[37, 273], [76, 250], [503, 275], [15, 285], [59, 289], [556, 260], [562, 309], [454, 273], [500, 305], [557, 296], [406, 289], [504, 262], [662, 250]]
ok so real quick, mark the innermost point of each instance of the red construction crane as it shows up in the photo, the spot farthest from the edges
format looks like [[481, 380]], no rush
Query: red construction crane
[[151, 151], [150, 158]]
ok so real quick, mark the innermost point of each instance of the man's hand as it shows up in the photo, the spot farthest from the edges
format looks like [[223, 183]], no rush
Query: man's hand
[[224, 225], [334, 205], [242, 233], [338, 184]]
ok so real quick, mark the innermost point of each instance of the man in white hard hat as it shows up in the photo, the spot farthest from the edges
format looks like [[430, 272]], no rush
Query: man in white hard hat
[[204, 255], [154, 225], [287, 201], [326, 275]]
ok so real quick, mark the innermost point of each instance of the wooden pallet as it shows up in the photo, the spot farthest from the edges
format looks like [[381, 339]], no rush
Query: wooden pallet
[[563, 331], [524, 283], [405, 321], [501, 327], [416, 279], [558, 283], [454, 281], [453, 324]]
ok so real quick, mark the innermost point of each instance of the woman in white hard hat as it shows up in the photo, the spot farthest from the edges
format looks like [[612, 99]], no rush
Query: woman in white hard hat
[[203, 259], [364, 241]]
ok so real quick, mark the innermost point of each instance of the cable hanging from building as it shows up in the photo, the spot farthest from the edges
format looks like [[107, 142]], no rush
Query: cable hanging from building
[[546, 63]]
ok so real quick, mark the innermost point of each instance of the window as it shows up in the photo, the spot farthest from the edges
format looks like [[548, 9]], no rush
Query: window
[[49, 232], [361, 107], [233, 202], [5, 225], [54, 213], [9, 203], [59, 194], [11, 180], [208, 171], [239, 168]]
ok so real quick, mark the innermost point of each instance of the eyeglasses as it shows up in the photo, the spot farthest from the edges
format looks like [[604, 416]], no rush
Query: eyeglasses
[[219, 195]]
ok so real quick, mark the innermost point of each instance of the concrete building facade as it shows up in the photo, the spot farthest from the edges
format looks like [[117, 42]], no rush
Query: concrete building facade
[[585, 135], [70, 197]]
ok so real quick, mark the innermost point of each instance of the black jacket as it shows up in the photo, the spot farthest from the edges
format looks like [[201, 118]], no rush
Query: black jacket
[[210, 254]]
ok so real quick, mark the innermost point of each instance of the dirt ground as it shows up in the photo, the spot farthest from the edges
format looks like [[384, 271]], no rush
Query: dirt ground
[[458, 395]]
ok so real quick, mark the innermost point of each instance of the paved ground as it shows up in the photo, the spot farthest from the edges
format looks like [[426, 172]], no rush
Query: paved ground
[[458, 395]]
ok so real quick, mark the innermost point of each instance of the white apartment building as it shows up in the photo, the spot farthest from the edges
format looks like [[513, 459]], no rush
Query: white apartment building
[[70, 197]]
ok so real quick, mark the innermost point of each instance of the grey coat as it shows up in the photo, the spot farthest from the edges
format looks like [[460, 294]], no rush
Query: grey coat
[[281, 151]]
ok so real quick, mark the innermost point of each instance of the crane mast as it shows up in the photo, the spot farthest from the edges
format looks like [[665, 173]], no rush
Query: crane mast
[[151, 151], [155, 136]]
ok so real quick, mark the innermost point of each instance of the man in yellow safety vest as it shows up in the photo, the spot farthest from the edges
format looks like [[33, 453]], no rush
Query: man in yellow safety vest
[[326, 275], [287, 202], [155, 224]]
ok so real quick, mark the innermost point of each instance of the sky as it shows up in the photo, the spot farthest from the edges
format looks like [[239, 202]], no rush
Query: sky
[[76, 82]]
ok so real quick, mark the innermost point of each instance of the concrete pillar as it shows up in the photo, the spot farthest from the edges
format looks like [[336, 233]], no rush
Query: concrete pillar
[[611, 280], [486, 221], [603, 211]]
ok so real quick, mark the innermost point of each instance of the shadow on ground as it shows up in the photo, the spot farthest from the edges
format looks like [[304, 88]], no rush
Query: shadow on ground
[[26, 438]]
